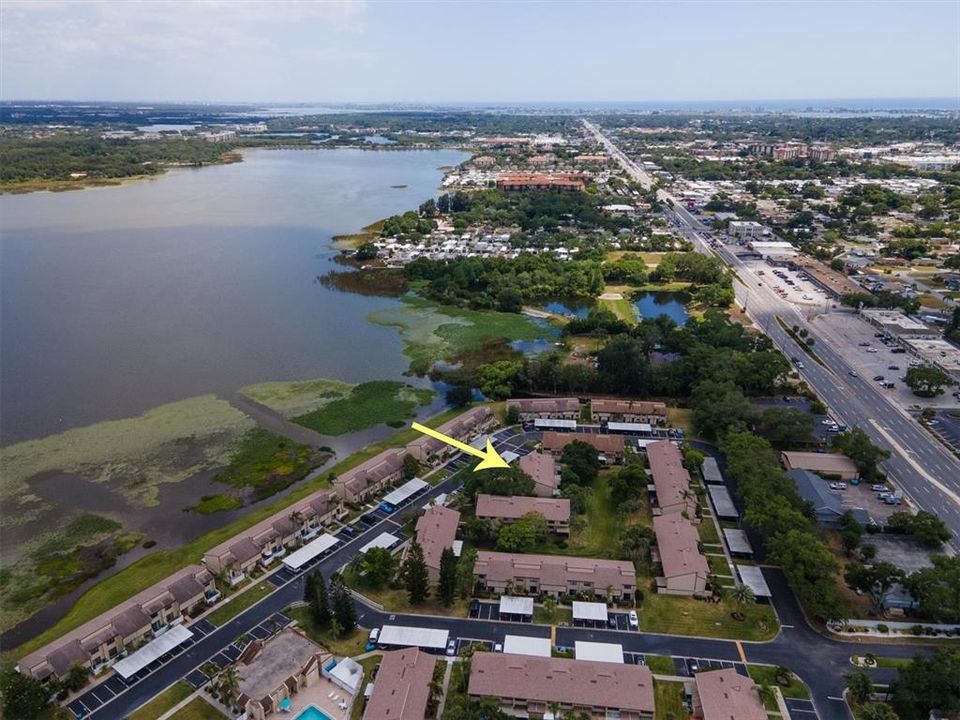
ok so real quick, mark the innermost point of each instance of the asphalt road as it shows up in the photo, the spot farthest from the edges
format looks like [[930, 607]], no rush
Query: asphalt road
[[928, 474]]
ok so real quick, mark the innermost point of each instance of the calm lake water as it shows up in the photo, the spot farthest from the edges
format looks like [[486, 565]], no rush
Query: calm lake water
[[673, 305], [117, 300]]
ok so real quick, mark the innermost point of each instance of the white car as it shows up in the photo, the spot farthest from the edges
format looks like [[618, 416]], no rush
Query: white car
[[498, 647], [633, 620], [838, 486]]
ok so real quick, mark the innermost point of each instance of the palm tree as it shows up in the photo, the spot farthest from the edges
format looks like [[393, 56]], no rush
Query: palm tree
[[741, 595], [554, 709], [229, 683]]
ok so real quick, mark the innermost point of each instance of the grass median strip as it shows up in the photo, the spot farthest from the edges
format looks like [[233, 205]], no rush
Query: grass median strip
[[163, 702], [240, 602], [686, 616], [767, 675]]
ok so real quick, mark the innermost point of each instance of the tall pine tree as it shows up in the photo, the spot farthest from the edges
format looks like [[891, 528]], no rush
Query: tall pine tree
[[448, 577], [319, 600], [415, 574], [343, 609]]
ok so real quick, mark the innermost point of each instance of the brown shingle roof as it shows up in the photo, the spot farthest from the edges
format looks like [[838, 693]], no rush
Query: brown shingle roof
[[130, 621], [515, 507], [402, 687], [578, 682], [554, 569], [436, 530], [541, 467], [670, 478], [628, 407], [677, 540], [727, 695], [545, 405], [603, 443]]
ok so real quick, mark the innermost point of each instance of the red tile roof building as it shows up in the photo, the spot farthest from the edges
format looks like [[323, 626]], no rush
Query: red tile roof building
[[436, 531], [671, 479], [610, 446], [543, 469], [568, 182], [463, 428]]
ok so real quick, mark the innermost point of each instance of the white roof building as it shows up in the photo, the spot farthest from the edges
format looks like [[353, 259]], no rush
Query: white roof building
[[525, 645], [590, 611], [598, 652]]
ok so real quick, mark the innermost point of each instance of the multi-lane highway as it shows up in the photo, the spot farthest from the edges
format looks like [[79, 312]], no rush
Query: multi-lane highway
[[926, 471]]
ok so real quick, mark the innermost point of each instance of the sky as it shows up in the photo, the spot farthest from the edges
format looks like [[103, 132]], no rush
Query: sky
[[437, 52]]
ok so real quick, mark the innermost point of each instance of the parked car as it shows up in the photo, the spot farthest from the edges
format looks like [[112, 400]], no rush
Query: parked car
[[878, 377], [879, 488], [853, 374], [452, 647], [498, 647], [893, 367], [633, 620], [838, 486], [372, 638]]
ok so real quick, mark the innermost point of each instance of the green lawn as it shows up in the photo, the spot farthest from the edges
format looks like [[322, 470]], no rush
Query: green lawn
[[162, 702], [236, 604], [708, 531], [210, 504], [368, 404], [669, 701], [660, 664], [152, 569], [679, 615], [396, 600], [718, 564], [766, 675], [560, 615], [887, 662], [368, 664], [345, 645], [199, 709]]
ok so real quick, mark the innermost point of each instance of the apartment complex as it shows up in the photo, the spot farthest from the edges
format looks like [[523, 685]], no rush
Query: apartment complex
[[529, 686], [436, 531], [634, 411], [464, 427], [555, 575], [371, 477], [270, 539], [725, 694], [610, 448], [566, 182], [531, 409], [685, 569], [543, 469], [402, 687], [507, 509], [670, 479], [108, 637]]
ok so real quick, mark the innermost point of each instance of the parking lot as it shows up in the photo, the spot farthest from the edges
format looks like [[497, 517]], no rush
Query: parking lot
[[800, 709], [689, 666], [946, 425], [861, 496], [801, 292]]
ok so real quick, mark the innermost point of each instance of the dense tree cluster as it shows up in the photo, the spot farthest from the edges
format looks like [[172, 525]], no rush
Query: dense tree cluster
[[929, 682]]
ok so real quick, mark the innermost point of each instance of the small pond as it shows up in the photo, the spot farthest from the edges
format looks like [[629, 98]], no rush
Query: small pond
[[672, 304]]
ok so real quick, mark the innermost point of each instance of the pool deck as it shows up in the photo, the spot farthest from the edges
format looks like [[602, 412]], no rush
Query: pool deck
[[317, 695]]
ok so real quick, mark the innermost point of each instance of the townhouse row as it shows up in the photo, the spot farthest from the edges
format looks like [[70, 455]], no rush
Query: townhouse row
[[601, 410]]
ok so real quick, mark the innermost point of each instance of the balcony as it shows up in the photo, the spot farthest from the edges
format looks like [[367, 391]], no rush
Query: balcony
[[235, 578], [211, 595]]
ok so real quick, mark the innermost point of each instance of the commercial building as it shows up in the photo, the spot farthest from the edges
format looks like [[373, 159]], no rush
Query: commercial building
[[530, 686], [726, 694], [543, 469], [555, 575], [436, 531], [610, 448], [671, 481], [592, 159], [402, 687], [897, 323], [555, 408], [100, 642], [821, 153], [565, 182], [827, 504], [773, 248], [370, 477], [745, 229], [271, 671], [463, 428], [506, 509], [685, 569], [937, 352], [836, 284], [270, 539], [826, 464], [633, 411]]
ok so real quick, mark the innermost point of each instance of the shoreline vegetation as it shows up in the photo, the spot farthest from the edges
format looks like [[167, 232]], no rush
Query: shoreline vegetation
[[154, 567]]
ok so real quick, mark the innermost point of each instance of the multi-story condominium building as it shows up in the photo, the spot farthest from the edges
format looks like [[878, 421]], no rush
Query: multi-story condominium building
[[463, 428], [371, 477], [555, 575], [528, 686], [685, 569], [106, 638], [569, 182], [725, 694], [609, 447], [270, 539], [634, 411], [507, 509], [436, 531], [541, 408], [670, 479], [543, 469], [402, 689]]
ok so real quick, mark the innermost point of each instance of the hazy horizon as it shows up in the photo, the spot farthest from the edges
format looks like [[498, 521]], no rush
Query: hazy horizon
[[355, 52]]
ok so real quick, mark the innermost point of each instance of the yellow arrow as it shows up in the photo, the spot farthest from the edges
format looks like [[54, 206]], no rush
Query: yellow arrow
[[490, 457]]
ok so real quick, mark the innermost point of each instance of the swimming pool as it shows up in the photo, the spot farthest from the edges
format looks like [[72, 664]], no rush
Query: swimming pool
[[312, 713]]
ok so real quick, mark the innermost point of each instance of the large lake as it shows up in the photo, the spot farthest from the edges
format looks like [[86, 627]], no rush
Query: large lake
[[117, 300]]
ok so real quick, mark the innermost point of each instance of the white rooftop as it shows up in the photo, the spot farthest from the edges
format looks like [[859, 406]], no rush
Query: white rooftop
[[308, 552], [553, 423], [349, 672], [737, 540], [132, 664], [752, 577], [629, 427], [440, 499], [404, 636], [511, 605], [589, 611], [524, 645], [598, 652], [405, 491], [383, 540]]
